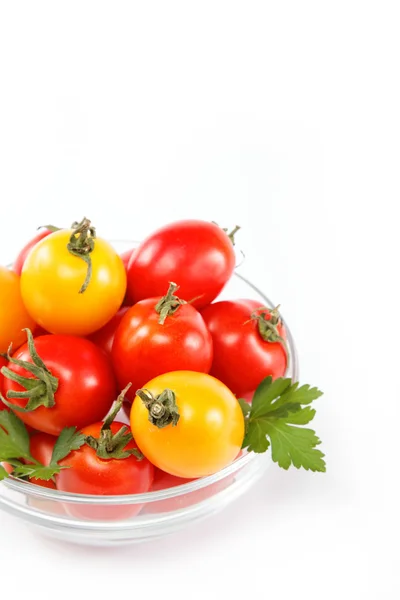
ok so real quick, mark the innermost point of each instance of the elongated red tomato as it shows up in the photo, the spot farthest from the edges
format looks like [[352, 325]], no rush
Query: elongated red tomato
[[245, 350], [144, 348], [20, 260], [104, 337], [72, 373], [87, 473], [196, 254]]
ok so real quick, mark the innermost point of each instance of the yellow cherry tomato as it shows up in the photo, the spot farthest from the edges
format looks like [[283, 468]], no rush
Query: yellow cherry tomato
[[208, 435], [52, 279], [13, 315]]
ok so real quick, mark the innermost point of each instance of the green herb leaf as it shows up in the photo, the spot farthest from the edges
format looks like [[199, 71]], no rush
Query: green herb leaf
[[266, 393], [304, 394], [14, 448], [68, 440], [37, 471], [256, 437], [274, 418], [295, 446], [3, 473], [14, 438], [245, 406]]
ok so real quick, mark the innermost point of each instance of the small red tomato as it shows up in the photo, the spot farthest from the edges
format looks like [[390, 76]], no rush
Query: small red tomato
[[104, 337], [19, 261], [249, 344], [144, 347], [197, 254], [87, 473], [75, 382]]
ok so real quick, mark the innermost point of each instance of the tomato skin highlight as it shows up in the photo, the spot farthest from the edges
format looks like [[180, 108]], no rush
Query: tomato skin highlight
[[14, 316], [104, 337], [197, 255], [209, 433], [51, 280], [89, 474], [20, 260], [86, 387], [242, 359], [143, 348]]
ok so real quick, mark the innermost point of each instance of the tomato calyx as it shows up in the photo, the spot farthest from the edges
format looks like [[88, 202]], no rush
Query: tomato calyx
[[109, 445], [231, 234], [168, 304], [267, 322], [40, 389], [163, 409], [81, 244]]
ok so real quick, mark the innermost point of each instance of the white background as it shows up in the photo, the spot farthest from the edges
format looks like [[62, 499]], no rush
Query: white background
[[282, 117]]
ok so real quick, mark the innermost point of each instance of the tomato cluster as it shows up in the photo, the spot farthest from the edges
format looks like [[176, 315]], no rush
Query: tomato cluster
[[79, 323]]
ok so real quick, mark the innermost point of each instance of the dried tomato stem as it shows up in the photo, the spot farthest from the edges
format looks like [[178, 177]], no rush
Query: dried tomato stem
[[268, 327], [169, 304], [163, 409], [109, 445], [81, 244], [40, 389]]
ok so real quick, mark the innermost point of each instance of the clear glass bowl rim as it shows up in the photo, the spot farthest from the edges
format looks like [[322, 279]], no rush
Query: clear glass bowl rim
[[174, 492]]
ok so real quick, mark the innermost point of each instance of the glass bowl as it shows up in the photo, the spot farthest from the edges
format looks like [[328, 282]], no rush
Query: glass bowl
[[117, 520]]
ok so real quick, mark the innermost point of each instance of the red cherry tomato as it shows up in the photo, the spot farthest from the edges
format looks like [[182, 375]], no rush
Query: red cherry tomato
[[89, 474], [242, 358], [143, 348], [19, 261], [198, 255], [104, 337], [86, 383]]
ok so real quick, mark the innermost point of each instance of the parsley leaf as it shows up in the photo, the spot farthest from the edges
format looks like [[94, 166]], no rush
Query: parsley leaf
[[14, 438], [37, 471], [3, 473], [68, 440], [14, 449], [274, 419]]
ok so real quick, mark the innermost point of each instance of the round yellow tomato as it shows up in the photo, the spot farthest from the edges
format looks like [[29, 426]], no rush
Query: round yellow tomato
[[208, 435], [13, 314], [52, 279]]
